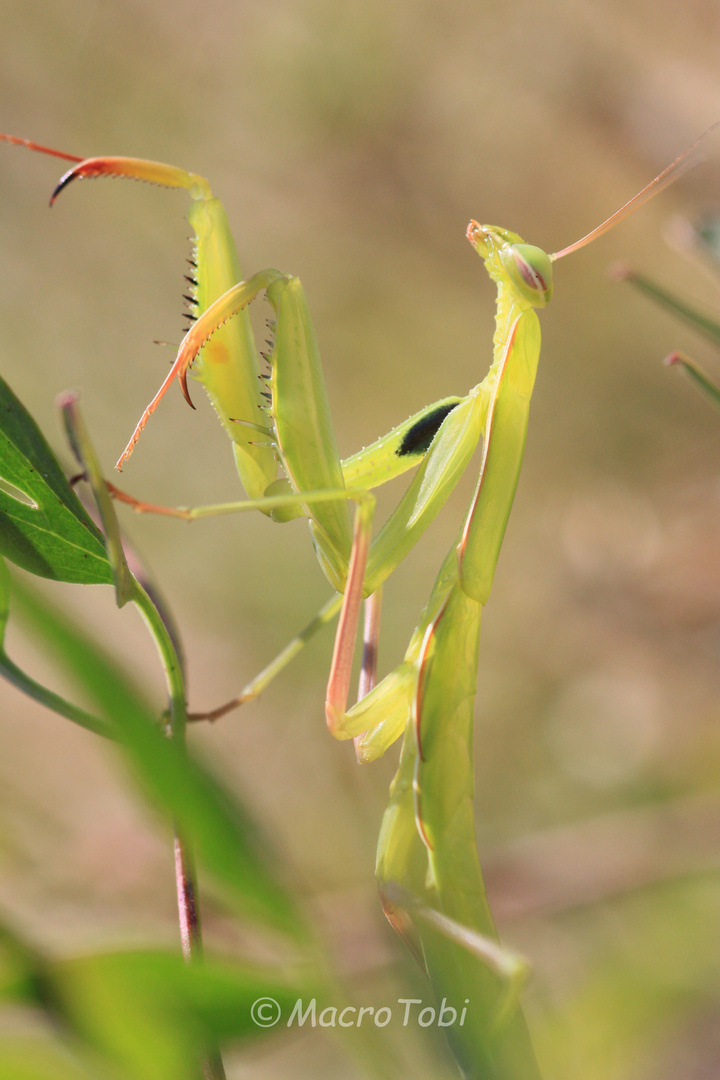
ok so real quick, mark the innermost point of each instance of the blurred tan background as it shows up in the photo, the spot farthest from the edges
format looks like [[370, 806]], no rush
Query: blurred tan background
[[351, 143]]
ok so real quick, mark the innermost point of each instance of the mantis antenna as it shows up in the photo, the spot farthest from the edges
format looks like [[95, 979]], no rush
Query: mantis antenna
[[661, 181]]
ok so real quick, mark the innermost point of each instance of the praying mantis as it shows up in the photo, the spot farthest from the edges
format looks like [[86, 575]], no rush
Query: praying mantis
[[427, 850]]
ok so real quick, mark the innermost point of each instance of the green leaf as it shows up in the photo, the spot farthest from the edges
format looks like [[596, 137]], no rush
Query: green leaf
[[43, 526], [209, 999], [133, 1024], [148, 1015], [224, 836], [33, 1059], [147, 1010]]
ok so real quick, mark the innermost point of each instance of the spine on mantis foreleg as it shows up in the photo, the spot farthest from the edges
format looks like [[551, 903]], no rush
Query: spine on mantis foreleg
[[228, 365]]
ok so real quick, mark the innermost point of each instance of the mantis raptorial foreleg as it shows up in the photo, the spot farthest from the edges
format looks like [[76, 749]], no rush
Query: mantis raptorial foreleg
[[296, 428]]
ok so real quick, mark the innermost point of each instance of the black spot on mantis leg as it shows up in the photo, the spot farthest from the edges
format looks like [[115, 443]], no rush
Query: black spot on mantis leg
[[418, 438]]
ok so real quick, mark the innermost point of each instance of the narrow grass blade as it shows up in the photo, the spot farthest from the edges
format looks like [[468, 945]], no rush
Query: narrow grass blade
[[696, 375]]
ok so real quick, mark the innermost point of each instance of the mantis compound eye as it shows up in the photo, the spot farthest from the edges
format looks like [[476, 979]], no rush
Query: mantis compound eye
[[530, 271]]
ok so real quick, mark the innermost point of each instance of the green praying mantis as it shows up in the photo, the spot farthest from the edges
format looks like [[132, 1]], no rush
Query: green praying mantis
[[427, 858]]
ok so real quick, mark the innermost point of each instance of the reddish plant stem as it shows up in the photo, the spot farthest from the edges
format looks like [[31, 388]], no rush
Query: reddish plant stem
[[188, 914]]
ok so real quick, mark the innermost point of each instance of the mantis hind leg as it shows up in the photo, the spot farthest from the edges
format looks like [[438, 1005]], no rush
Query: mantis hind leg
[[261, 681], [368, 671]]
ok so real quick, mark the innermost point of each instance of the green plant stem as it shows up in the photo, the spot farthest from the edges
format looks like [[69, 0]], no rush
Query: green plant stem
[[185, 874], [51, 700], [172, 667]]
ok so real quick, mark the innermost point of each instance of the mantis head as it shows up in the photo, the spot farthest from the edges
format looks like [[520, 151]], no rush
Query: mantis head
[[527, 268]]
